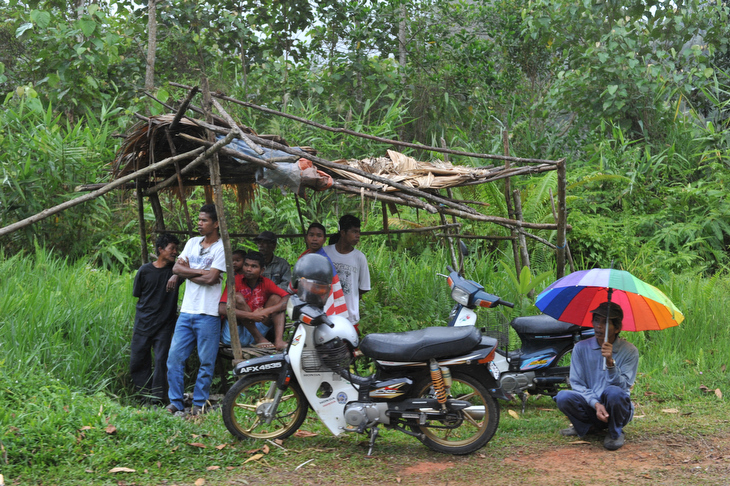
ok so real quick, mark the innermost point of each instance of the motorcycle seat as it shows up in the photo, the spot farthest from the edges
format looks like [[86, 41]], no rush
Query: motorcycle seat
[[422, 344], [542, 324]]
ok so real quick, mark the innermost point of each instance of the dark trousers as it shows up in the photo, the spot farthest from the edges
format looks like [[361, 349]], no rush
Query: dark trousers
[[151, 384], [583, 416]]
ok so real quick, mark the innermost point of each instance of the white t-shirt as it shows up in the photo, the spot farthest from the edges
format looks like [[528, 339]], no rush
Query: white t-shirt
[[352, 268], [203, 299]]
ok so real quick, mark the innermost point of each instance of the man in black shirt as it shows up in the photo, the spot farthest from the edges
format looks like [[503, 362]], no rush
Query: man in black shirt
[[154, 322]]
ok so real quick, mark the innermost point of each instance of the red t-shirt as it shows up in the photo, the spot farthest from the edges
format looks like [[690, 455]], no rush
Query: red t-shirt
[[255, 297]]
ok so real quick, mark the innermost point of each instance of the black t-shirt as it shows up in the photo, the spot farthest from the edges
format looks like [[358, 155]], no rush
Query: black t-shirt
[[156, 307]]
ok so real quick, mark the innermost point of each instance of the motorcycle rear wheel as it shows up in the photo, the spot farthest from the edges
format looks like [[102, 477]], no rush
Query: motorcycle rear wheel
[[245, 402], [479, 421]]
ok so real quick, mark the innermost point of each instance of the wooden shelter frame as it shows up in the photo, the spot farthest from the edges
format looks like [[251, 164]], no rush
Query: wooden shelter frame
[[387, 191]]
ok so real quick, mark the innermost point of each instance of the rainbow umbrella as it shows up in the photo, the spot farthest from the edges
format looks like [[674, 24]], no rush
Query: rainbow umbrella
[[573, 297]]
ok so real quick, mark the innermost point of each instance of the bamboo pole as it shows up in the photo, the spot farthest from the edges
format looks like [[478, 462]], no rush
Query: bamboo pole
[[396, 143], [93, 195]]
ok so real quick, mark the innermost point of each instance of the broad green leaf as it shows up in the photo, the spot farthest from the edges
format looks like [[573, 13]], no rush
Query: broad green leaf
[[163, 95], [708, 72], [20, 30], [42, 19], [612, 89], [87, 26]]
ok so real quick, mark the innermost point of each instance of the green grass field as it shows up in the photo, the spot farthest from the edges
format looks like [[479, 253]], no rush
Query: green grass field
[[67, 415]]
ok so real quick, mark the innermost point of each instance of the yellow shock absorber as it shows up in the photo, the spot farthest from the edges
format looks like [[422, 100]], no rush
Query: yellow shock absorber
[[437, 380]]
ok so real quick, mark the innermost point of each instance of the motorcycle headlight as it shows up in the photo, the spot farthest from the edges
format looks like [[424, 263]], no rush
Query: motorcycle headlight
[[459, 295]]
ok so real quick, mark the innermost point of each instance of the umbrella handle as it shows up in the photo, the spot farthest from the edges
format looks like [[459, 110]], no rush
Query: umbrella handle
[[608, 312]]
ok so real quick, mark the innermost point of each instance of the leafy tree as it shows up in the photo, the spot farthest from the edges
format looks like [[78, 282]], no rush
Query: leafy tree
[[623, 60]]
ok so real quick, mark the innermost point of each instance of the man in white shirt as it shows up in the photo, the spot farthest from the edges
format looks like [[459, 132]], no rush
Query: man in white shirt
[[202, 263], [351, 264]]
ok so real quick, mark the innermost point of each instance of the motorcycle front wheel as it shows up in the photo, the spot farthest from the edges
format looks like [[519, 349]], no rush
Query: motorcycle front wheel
[[246, 403], [478, 423]]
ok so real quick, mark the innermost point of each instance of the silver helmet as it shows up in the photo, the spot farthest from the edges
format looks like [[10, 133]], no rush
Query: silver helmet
[[343, 330]]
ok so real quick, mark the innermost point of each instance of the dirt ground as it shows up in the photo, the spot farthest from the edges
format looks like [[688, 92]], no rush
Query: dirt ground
[[669, 460]]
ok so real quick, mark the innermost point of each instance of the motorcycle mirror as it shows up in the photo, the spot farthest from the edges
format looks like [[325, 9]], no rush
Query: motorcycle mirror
[[463, 249]]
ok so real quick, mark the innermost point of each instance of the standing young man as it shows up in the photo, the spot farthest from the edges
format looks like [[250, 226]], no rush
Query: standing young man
[[202, 263], [276, 268], [157, 290], [351, 265]]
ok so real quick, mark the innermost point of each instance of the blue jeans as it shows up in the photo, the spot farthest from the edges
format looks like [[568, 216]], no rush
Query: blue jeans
[[244, 335], [191, 330], [583, 416]]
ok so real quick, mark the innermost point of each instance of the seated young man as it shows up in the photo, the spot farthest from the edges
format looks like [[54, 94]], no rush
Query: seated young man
[[260, 304]]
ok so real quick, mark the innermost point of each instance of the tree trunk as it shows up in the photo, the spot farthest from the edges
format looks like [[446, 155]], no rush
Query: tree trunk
[[149, 77], [402, 44]]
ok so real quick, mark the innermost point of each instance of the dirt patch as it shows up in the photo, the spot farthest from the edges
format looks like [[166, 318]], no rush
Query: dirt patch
[[427, 468], [669, 459]]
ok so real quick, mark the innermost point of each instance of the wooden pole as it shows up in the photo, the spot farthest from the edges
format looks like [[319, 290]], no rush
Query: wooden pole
[[183, 199], [299, 212], [159, 215], [142, 227], [396, 143], [523, 244], [449, 241], [215, 182], [562, 221], [567, 247], [93, 195], [364, 233], [508, 200]]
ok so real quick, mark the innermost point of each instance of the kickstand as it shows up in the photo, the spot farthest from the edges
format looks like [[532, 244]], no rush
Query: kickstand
[[523, 398], [373, 432]]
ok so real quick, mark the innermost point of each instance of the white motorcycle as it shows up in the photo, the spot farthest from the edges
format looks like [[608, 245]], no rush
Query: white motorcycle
[[433, 384]]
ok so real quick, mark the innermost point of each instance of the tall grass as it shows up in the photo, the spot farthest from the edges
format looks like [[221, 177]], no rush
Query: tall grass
[[67, 319], [65, 328]]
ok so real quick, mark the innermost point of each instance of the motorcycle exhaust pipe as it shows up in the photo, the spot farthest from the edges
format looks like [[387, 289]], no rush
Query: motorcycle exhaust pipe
[[475, 412], [548, 380]]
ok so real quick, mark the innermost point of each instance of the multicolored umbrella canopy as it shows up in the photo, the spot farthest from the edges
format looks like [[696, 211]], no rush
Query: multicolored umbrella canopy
[[573, 297]]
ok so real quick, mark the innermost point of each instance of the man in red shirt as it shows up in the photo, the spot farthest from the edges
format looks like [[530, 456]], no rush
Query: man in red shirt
[[260, 304]]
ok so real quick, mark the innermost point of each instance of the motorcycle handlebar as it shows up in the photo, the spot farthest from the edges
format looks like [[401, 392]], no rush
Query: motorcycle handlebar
[[505, 303]]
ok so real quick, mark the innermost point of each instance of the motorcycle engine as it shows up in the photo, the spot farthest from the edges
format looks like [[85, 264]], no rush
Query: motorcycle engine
[[359, 413], [517, 382]]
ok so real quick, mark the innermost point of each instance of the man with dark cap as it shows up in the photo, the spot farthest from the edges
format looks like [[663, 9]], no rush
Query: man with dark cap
[[275, 268], [600, 396]]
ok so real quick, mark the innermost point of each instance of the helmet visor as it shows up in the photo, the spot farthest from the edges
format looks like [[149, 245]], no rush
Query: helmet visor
[[313, 292]]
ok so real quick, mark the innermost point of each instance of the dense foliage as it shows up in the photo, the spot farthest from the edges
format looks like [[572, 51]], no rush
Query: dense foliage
[[633, 95]]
